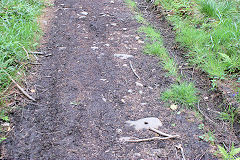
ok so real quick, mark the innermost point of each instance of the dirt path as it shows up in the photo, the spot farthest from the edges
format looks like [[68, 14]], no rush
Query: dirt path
[[86, 94]]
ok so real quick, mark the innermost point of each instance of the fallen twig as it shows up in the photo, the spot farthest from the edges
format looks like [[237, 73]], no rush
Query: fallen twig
[[204, 114], [19, 87], [38, 53], [47, 55], [150, 139], [163, 134], [26, 52], [134, 71], [181, 149]]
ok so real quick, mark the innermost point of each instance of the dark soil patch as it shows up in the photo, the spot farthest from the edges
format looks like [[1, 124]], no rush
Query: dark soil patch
[[84, 96]]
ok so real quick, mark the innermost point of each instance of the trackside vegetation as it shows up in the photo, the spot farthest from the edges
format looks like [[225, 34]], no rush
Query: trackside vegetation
[[19, 35], [210, 30]]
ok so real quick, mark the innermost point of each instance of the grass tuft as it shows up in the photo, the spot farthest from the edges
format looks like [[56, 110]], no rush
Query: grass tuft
[[184, 93], [131, 4]]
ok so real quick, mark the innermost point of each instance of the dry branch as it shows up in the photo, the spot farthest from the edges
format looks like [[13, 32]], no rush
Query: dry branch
[[150, 139], [163, 134], [134, 71], [19, 87], [181, 149]]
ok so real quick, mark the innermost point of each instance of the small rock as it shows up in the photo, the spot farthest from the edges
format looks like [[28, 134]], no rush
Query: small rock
[[6, 124], [130, 91], [139, 84], [124, 139], [205, 98], [81, 17], [104, 99], [141, 42], [143, 104], [125, 65], [94, 48], [145, 123], [124, 29], [137, 37], [123, 101], [62, 48], [103, 80], [150, 87], [140, 92], [119, 131], [112, 2], [123, 56], [114, 24], [135, 155], [107, 45], [84, 13], [174, 107]]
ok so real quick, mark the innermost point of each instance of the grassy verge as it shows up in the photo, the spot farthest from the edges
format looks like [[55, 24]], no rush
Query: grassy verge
[[210, 30], [19, 34], [155, 46]]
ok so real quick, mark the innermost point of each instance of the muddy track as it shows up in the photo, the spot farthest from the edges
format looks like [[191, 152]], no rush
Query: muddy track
[[86, 94]]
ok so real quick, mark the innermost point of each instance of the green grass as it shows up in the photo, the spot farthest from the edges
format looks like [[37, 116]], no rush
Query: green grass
[[228, 155], [184, 94], [19, 33], [156, 47], [19, 30], [210, 31], [140, 19], [228, 115], [131, 4], [151, 33]]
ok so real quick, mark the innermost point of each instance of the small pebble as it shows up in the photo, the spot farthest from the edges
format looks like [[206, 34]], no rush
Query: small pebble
[[114, 24], [139, 84], [137, 37], [84, 13], [119, 131], [174, 107], [94, 48], [130, 91]]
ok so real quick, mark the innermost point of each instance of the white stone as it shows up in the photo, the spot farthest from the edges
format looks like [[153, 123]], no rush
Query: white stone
[[94, 48], [124, 139], [114, 24], [145, 123], [139, 84], [123, 56], [84, 13], [130, 91]]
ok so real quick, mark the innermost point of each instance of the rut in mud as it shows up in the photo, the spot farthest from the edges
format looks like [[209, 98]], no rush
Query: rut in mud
[[86, 93]]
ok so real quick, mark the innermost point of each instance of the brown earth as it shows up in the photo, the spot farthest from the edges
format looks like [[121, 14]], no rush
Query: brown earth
[[85, 94]]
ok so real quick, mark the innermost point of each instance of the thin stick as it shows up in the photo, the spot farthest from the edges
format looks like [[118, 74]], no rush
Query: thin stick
[[150, 139], [163, 134], [134, 71], [19, 87], [205, 115], [26, 52], [182, 152], [39, 53]]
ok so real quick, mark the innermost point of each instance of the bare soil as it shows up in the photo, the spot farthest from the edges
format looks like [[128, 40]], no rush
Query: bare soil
[[85, 94]]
